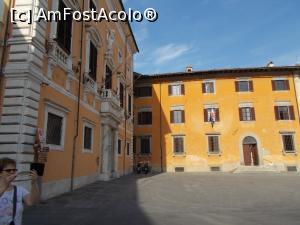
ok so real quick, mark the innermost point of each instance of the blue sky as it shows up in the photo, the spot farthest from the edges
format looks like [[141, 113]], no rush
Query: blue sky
[[209, 34]]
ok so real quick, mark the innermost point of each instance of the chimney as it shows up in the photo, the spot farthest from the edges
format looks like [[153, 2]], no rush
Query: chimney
[[189, 69], [270, 64]]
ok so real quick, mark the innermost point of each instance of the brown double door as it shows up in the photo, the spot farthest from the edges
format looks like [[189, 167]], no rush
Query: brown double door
[[250, 155]]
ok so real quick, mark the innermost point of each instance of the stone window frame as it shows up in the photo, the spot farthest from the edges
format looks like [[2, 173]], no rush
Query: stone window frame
[[92, 126], [183, 153], [204, 90], [219, 144], [61, 112], [292, 133]]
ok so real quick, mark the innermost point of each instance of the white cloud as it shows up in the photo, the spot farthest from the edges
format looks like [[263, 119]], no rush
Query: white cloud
[[169, 52]]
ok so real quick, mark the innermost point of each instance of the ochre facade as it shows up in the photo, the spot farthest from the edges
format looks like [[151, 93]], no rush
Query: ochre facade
[[264, 132]]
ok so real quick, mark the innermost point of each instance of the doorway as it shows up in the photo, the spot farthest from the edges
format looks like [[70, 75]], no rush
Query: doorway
[[250, 151]]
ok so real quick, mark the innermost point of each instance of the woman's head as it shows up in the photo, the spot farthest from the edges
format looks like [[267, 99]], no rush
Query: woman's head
[[8, 166]]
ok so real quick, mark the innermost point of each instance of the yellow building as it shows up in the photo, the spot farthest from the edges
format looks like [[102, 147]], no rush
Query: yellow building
[[219, 120], [74, 80]]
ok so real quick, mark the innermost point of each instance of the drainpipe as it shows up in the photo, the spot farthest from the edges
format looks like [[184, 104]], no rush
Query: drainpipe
[[78, 107], [125, 107]]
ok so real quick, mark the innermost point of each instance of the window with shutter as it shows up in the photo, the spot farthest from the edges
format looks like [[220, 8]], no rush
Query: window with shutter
[[211, 115], [247, 114], [288, 143], [213, 144], [280, 85], [176, 89], [143, 91], [244, 86], [284, 113], [177, 116], [64, 29], [178, 145], [145, 145], [208, 87]]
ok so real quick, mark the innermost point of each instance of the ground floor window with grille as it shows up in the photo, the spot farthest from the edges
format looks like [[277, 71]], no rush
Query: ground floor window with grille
[[288, 143], [178, 145], [87, 137], [213, 144], [54, 126], [145, 145]]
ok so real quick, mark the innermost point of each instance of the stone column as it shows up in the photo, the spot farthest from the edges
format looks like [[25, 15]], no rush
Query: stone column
[[23, 75], [106, 143]]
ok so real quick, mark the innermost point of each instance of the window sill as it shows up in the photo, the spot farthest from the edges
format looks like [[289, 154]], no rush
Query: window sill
[[144, 97], [214, 154], [59, 148], [177, 123], [87, 151], [179, 154], [289, 153], [176, 95]]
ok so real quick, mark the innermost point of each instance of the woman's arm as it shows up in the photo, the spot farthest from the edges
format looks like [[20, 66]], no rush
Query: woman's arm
[[34, 196]]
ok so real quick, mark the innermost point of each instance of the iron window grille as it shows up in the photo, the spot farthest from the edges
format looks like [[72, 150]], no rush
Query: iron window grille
[[54, 129]]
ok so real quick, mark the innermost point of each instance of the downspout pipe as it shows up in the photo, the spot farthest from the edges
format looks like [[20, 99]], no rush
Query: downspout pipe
[[78, 107], [160, 130]]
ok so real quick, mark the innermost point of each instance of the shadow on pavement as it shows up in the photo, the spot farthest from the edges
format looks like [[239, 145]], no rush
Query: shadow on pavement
[[109, 203]]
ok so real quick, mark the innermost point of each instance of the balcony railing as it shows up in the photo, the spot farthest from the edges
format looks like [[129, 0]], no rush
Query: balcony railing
[[108, 94], [90, 84]]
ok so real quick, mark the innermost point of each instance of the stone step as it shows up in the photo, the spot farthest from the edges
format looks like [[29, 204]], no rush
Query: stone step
[[255, 169]]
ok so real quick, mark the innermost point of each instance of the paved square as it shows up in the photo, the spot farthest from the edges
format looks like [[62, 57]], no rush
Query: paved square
[[177, 199]]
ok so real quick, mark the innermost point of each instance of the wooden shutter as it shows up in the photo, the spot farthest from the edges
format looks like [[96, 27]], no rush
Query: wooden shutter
[[172, 116], [287, 85], [170, 89], [241, 114], [203, 88], [252, 113], [217, 115], [292, 113], [273, 85], [182, 116], [276, 113], [251, 85], [205, 115], [237, 86], [182, 89]]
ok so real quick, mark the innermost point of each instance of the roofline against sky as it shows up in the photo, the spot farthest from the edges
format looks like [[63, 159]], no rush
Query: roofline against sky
[[223, 71]]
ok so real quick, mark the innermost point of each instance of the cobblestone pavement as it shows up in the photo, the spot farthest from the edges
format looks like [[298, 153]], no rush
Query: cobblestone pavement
[[177, 199]]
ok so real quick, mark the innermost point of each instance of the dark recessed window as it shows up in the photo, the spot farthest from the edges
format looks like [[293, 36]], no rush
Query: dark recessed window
[[88, 131], [92, 5], [213, 144], [64, 30], [93, 62], [143, 91], [108, 78], [145, 147], [128, 149], [145, 118], [54, 129], [129, 105], [119, 146], [284, 113], [288, 143], [121, 95]]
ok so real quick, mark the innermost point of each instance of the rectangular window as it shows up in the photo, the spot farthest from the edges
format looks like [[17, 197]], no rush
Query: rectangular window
[[280, 85], [177, 116], [119, 146], [178, 145], [211, 115], [176, 89], [244, 86], [213, 144], [128, 148], [143, 91], [64, 30], [121, 95], [93, 61], [108, 78], [288, 143], [145, 145], [284, 113], [129, 105], [54, 129], [88, 135], [247, 114], [208, 87], [145, 118]]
